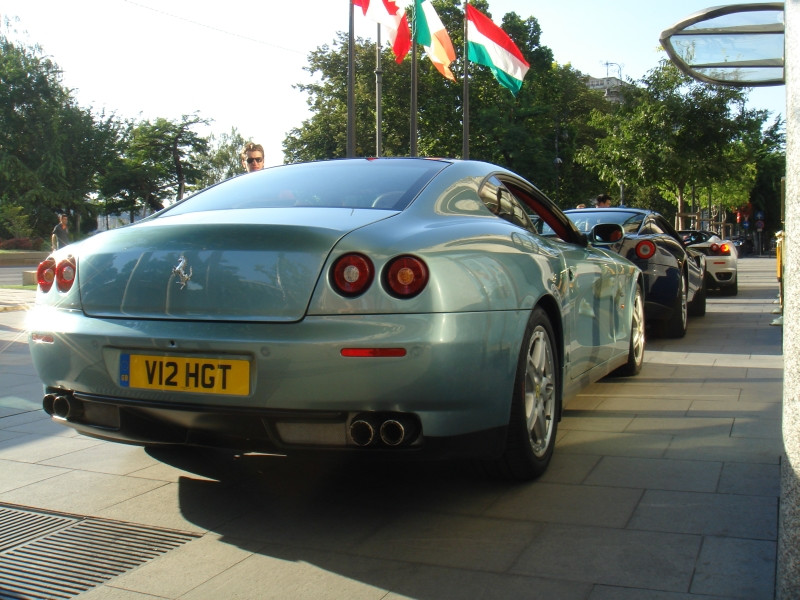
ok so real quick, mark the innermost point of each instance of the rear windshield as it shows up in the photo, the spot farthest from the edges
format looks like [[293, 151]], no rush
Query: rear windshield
[[386, 184]]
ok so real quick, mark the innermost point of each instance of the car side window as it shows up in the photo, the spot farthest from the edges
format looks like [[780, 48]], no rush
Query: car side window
[[501, 202], [668, 229], [653, 226]]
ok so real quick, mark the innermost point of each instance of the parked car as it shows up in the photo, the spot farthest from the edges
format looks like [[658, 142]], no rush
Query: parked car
[[743, 245], [674, 275], [371, 306], [721, 259]]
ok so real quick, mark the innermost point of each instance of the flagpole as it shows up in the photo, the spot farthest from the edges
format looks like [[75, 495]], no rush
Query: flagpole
[[378, 96], [351, 84], [413, 135], [465, 107]]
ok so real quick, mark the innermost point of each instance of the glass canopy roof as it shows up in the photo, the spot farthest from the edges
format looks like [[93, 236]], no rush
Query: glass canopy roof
[[737, 45]]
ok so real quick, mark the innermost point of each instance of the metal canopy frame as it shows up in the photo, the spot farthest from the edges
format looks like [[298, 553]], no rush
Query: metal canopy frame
[[740, 45]]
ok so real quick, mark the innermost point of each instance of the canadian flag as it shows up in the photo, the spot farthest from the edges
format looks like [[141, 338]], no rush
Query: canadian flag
[[394, 21]]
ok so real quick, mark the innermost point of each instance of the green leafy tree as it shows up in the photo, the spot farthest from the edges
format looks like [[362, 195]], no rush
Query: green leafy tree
[[547, 120], [51, 149], [674, 133], [222, 161], [158, 162], [14, 220]]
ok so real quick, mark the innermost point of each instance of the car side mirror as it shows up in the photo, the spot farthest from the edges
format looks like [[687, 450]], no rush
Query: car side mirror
[[606, 233]]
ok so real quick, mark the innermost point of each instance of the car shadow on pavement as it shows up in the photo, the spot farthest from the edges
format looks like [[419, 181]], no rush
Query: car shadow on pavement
[[409, 527]]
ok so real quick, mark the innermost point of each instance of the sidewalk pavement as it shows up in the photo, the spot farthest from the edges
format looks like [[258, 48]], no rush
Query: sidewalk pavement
[[662, 486], [16, 299]]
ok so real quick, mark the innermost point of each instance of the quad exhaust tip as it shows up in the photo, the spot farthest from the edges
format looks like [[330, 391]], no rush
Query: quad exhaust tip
[[362, 433], [62, 406], [391, 430]]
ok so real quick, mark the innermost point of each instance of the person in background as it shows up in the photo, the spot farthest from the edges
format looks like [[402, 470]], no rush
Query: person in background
[[252, 157], [603, 201], [60, 236], [581, 205]]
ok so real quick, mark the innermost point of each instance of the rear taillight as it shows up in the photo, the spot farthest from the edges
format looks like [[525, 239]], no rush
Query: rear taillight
[[645, 249], [352, 274], [721, 249], [406, 276], [61, 273], [65, 274], [46, 274]]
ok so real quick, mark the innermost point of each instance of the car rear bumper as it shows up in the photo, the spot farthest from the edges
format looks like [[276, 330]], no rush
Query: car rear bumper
[[280, 432], [721, 277], [455, 379]]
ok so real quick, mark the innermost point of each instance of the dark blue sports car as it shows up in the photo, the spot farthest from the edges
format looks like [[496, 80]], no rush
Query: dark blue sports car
[[673, 273]]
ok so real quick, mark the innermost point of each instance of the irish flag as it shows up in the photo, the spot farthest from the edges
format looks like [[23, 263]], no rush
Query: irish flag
[[394, 21], [433, 36], [489, 45]]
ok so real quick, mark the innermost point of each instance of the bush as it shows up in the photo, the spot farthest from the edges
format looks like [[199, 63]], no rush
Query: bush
[[24, 243]]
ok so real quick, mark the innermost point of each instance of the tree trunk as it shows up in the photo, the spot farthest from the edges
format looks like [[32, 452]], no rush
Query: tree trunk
[[681, 207]]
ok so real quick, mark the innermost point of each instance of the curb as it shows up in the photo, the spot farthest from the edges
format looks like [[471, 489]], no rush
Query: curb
[[14, 307]]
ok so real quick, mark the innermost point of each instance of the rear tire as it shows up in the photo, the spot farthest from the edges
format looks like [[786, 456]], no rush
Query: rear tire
[[698, 306], [535, 405], [731, 290], [678, 322]]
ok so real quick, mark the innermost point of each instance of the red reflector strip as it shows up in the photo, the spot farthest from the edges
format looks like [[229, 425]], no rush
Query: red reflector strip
[[42, 338], [373, 352]]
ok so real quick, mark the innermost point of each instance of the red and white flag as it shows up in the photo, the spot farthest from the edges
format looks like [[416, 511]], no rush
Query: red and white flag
[[394, 21]]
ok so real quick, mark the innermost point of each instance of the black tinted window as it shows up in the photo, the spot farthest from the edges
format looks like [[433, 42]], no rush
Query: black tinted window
[[500, 201]]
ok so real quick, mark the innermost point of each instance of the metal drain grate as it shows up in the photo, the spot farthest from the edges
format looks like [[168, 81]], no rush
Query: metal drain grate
[[49, 556]]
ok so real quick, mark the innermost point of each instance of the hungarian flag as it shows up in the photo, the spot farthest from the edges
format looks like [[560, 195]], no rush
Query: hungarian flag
[[489, 45], [433, 36], [394, 21]]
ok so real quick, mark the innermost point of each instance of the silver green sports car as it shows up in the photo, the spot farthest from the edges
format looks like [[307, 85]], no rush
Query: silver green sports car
[[379, 307]]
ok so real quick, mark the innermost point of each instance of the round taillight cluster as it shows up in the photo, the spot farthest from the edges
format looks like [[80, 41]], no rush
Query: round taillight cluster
[[61, 273], [46, 274], [645, 249], [352, 274], [404, 276]]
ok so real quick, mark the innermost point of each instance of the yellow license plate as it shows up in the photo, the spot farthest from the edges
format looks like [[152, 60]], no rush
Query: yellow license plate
[[197, 374]]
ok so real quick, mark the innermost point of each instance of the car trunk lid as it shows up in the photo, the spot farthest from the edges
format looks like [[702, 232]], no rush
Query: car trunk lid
[[221, 265]]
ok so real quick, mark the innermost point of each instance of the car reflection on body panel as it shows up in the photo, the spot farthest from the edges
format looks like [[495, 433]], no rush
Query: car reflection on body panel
[[365, 306], [673, 274]]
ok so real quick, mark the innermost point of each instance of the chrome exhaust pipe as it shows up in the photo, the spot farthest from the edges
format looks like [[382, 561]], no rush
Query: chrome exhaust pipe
[[361, 432], [66, 407], [392, 432], [61, 407], [47, 403]]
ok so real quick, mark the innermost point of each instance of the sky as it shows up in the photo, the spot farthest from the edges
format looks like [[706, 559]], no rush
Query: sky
[[235, 63]]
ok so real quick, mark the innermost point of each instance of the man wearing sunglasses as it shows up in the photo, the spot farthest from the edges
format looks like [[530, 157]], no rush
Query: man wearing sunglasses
[[252, 157]]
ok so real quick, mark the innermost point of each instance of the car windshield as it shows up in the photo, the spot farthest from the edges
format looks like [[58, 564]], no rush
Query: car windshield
[[388, 184], [698, 237], [586, 219]]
